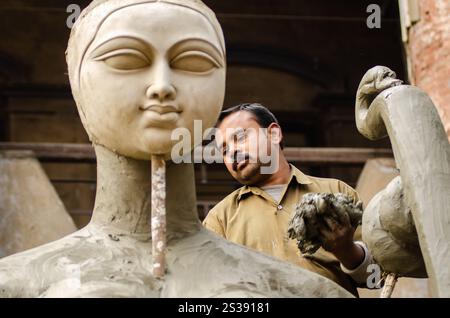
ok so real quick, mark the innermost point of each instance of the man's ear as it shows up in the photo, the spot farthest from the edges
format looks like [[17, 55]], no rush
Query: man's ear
[[275, 133]]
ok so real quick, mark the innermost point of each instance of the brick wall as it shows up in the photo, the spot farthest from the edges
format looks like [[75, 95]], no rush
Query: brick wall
[[429, 52]]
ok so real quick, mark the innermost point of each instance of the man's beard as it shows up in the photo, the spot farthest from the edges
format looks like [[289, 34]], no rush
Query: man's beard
[[250, 175]]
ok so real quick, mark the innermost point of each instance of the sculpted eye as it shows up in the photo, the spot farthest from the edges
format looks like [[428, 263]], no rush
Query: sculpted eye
[[126, 60], [194, 61]]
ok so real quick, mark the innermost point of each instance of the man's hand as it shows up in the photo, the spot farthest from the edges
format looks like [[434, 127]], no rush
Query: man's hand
[[328, 220], [337, 238]]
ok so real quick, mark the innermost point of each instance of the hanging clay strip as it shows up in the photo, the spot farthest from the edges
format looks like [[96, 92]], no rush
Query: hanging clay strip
[[158, 216], [389, 286]]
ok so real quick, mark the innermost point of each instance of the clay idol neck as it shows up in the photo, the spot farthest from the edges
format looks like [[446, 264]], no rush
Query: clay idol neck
[[123, 199]]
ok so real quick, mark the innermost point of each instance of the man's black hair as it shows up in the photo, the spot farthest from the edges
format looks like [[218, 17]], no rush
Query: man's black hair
[[262, 115]]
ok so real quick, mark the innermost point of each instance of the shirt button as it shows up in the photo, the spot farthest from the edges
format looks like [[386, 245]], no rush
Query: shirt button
[[280, 207]]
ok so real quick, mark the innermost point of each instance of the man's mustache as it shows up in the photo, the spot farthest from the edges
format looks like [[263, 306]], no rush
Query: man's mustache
[[239, 157]]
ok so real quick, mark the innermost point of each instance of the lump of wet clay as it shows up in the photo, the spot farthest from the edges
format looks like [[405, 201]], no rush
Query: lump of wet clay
[[310, 212]]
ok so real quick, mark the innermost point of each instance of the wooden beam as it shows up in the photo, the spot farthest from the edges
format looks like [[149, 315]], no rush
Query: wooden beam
[[333, 156], [56, 152], [36, 91]]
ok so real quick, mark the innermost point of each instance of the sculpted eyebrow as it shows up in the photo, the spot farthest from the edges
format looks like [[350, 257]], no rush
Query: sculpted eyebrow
[[119, 42]]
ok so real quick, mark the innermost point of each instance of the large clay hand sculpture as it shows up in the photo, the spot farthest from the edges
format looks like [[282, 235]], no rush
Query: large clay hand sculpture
[[407, 225]]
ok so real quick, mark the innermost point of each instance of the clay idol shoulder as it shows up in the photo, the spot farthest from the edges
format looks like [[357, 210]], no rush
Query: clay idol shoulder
[[20, 260], [291, 281]]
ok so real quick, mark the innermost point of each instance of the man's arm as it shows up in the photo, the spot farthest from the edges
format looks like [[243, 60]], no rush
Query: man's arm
[[338, 239]]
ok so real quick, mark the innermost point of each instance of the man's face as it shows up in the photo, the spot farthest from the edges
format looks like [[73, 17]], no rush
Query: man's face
[[243, 143]]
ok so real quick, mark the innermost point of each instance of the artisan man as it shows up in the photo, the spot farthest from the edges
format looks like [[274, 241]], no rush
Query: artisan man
[[257, 214]]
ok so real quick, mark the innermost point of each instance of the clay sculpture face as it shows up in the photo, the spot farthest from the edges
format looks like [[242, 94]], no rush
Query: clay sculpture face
[[136, 79]]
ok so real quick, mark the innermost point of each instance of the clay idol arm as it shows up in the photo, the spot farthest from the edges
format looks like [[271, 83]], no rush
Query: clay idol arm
[[418, 201]]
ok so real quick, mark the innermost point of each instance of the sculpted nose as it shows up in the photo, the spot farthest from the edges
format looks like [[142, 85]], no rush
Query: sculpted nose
[[162, 89], [161, 92]]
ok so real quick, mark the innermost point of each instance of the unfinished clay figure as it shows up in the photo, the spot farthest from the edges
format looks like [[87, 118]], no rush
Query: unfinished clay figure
[[413, 210], [140, 69], [28, 218], [312, 209]]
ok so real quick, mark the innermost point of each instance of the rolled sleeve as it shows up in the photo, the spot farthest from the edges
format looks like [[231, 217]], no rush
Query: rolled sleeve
[[213, 224]]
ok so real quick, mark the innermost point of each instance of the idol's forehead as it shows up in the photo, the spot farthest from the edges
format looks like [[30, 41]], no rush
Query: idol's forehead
[[161, 25]]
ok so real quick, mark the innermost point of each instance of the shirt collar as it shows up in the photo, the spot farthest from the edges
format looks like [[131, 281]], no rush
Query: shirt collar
[[300, 176], [296, 174]]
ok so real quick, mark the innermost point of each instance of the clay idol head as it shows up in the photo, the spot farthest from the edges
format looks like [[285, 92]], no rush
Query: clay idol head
[[140, 69]]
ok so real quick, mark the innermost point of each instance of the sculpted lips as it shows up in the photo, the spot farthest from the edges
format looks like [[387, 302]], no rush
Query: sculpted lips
[[161, 109], [161, 115]]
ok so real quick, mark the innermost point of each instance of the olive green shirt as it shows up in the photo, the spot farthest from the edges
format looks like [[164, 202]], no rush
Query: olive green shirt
[[251, 217]]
